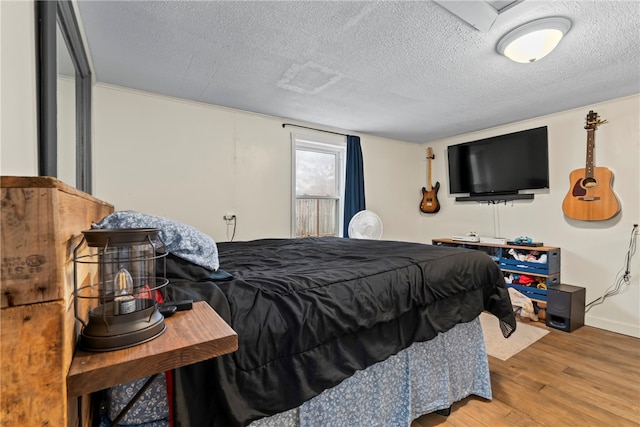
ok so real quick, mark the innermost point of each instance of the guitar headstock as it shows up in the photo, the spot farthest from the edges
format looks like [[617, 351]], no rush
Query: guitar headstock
[[430, 155], [593, 121]]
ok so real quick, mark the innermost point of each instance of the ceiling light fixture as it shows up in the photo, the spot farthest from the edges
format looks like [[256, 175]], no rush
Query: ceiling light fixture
[[534, 40]]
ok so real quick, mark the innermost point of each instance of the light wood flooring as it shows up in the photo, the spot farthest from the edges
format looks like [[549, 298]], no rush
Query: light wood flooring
[[588, 377]]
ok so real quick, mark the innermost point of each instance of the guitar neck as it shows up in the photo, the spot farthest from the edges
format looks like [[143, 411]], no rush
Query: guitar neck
[[591, 143], [429, 158]]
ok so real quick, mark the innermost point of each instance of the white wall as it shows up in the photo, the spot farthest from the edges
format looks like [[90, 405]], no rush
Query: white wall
[[193, 162], [18, 155], [592, 252]]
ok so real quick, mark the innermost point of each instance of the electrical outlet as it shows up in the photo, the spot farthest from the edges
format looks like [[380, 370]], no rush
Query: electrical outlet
[[229, 216]]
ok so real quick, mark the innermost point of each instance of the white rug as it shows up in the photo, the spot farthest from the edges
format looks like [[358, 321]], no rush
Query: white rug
[[501, 348]]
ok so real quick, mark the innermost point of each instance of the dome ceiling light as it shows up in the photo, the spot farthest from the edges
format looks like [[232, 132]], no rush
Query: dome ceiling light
[[534, 40]]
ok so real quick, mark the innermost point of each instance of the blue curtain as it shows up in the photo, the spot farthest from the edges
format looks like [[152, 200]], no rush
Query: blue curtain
[[354, 182]]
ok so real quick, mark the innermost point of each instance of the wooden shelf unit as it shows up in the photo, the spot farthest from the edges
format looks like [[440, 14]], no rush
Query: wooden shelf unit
[[547, 272], [191, 336]]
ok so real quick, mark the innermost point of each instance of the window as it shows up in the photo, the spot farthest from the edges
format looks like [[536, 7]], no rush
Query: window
[[318, 186]]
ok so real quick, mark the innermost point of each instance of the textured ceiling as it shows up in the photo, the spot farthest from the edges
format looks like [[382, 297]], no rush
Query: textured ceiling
[[405, 70]]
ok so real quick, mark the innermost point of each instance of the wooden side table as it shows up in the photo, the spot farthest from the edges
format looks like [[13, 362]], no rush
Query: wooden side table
[[191, 336]]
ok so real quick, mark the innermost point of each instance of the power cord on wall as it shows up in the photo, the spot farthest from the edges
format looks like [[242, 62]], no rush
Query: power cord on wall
[[623, 275], [231, 220]]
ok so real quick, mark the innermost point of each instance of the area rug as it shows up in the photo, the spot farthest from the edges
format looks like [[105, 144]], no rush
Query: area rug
[[501, 348]]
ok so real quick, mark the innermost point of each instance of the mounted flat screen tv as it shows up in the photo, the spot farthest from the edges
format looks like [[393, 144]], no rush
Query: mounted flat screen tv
[[498, 168]]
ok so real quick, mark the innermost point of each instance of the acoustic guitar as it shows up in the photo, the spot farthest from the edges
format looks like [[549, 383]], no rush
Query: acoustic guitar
[[591, 197], [429, 203]]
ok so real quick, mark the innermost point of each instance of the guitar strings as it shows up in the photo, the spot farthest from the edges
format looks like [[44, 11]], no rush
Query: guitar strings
[[623, 276]]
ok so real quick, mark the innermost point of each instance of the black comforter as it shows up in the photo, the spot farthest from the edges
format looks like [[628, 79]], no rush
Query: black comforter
[[310, 312]]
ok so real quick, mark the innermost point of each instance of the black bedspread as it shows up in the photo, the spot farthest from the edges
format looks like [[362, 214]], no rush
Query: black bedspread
[[310, 312]]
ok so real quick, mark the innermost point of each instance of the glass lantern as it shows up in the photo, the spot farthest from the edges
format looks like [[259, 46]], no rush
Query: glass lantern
[[116, 287]]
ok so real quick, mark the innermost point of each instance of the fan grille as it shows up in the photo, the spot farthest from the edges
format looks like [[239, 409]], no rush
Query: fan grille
[[365, 225]]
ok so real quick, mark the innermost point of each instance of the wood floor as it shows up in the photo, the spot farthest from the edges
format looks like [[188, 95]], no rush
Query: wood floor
[[589, 377]]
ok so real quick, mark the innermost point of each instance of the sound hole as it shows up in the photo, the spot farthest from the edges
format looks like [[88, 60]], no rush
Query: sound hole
[[589, 182]]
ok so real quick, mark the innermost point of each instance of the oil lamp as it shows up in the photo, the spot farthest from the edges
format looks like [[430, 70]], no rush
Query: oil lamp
[[116, 287]]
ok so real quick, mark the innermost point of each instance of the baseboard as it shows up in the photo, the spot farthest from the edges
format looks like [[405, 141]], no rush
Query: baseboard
[[609, 325]]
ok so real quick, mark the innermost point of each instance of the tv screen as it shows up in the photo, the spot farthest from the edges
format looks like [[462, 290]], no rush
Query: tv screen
[[501, 164]]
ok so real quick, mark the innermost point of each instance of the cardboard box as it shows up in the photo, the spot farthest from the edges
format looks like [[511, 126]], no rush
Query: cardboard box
[[41, 223]]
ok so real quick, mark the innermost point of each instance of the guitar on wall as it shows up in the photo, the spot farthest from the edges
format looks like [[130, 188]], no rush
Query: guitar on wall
[[429, 203], [591, 197]]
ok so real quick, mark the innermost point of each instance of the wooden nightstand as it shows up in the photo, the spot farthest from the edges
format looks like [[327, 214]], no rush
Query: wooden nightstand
[[191, 336]]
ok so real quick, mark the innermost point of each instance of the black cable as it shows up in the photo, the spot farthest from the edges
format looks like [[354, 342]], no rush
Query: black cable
[[631, 251], [620, 276]]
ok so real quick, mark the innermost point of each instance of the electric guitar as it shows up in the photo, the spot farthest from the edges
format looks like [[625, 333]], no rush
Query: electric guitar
[[591, 197], [429, 203]]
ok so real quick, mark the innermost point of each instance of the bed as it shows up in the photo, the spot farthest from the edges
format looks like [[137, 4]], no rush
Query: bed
[[327, 326]]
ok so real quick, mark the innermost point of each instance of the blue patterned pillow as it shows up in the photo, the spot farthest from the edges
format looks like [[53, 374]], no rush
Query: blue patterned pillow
[[182, 240]]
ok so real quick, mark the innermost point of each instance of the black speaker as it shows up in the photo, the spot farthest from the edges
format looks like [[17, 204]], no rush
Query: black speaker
[[565, 307]]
